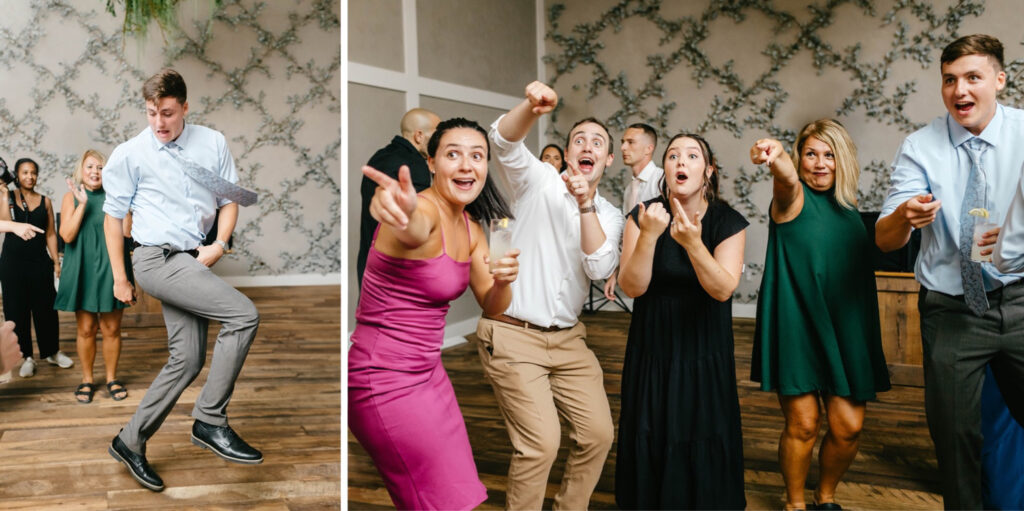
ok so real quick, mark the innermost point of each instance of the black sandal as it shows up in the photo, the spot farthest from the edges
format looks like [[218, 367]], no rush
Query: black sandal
[[85, 390], [119, 393]]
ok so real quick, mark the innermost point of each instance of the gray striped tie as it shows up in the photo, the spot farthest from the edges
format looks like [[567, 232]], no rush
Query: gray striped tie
[[974, 197], [211, 181]]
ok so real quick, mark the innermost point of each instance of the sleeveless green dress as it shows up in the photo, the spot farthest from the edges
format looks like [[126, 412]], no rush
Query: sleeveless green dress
[[817, 313], [86, 280]]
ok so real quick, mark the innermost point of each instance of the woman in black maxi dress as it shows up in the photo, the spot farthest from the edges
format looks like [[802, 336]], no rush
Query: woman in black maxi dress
[[680, 444]]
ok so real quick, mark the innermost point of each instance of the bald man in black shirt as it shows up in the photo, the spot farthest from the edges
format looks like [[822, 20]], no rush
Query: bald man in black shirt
[[408, 149]]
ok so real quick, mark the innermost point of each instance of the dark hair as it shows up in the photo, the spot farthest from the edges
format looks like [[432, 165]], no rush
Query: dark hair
[[489, 204], [975, 44], [647, 129], [17, 182], [711, 183], [561, 154], [166, 83], [611, 143]]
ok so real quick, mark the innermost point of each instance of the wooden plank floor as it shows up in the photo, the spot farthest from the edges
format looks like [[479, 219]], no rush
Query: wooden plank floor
[[895, 468], [287, 403]]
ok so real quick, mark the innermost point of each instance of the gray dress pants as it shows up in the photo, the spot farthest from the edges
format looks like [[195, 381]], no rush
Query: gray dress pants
[[957, 347], [191, 295]]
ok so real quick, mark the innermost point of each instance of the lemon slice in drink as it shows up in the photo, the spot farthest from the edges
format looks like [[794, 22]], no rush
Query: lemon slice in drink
[[979, 212]]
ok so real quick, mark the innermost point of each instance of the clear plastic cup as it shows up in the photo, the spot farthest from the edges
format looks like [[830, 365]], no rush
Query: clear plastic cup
[[981, 226], [500, 239]]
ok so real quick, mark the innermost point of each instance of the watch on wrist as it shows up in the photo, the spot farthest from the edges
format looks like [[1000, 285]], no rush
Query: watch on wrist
[[589, 209], [222, 244]]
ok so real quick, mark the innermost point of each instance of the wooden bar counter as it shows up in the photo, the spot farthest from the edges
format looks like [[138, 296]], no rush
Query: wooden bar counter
[[901, 327]]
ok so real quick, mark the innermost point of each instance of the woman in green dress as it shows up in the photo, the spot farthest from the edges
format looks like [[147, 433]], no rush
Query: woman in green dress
[[86, 283], [817, 334]]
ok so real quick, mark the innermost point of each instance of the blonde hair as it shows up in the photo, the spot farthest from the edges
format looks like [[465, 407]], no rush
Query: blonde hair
[[834, 134], [77, 176]]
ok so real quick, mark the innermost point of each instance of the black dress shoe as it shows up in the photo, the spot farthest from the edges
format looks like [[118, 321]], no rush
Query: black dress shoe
[[224, 442], [137, 465], [827, 506]]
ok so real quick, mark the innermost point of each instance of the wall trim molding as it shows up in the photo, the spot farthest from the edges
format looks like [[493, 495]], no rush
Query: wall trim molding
[[544, 123], [744, 310], [303, 279], [418, 85]]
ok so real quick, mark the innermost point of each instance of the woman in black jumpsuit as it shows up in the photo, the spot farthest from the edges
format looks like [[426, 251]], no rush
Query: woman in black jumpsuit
[[27, 268]]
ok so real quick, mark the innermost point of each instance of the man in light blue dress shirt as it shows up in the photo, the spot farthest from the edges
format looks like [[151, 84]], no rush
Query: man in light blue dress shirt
[[171, 214], [930, 179]]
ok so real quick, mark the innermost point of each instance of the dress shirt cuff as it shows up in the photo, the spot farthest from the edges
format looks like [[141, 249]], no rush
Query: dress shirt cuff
[[114, 208], [602, 263], [519, 168], [500, 143]]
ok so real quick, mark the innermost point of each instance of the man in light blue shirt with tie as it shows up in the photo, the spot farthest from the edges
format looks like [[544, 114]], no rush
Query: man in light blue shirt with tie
[[173, 177], [972, 314]]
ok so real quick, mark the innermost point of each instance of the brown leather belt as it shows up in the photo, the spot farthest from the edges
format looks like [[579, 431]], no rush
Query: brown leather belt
[[524, 324]]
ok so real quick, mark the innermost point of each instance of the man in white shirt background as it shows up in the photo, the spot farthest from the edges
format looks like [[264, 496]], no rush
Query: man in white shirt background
[[535, 355], [638, 144]]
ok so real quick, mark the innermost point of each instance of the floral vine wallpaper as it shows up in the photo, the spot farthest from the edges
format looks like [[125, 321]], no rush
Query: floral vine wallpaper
[[740, 70], [266, 74]]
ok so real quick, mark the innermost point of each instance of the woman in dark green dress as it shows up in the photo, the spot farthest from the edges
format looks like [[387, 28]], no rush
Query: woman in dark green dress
[[86, 282], [680, 441], [817, 334]]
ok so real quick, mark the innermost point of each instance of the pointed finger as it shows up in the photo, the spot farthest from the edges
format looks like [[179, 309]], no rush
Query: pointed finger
[[378, 177], [677, 208], [36, 229], [405, 180]]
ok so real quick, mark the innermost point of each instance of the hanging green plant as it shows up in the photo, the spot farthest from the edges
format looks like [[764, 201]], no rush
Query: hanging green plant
[[139, 13]]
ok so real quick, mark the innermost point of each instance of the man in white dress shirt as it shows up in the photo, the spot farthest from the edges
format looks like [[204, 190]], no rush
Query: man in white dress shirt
[[638, 145], [535, 355]]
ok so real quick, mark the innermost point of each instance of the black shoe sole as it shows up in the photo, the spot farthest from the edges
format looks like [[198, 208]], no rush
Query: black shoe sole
[[138, 479], [212, 449]]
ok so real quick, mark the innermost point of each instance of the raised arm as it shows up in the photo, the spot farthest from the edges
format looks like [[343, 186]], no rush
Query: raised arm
[[718, 273], [892, 231], [787, 194], [395, 206], [70, 215], [540, 99], [909, 204], [638, 242]]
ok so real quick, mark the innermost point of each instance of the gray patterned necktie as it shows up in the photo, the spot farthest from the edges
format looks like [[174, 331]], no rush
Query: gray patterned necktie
[[974, 197], [219, 186]]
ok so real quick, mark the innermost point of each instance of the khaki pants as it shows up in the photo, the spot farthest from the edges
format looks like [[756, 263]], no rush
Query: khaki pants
[[536, 376]]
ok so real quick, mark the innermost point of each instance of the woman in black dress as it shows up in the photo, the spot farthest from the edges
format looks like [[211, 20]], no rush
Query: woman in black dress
[[680, 444], [27, 270]]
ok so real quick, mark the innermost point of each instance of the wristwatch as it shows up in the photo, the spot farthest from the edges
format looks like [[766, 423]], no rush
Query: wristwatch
[[589, 209], [222, 244]]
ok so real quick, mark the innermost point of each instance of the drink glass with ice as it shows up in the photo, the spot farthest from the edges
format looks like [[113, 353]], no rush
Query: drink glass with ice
[[981, 226], [500, 240]]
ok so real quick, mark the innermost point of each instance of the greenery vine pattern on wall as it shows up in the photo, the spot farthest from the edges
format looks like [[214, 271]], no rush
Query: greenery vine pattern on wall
[[745, 109], [222, 85]]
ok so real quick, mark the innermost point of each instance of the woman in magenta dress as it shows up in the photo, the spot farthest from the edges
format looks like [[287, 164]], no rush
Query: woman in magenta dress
[[426, 251]]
